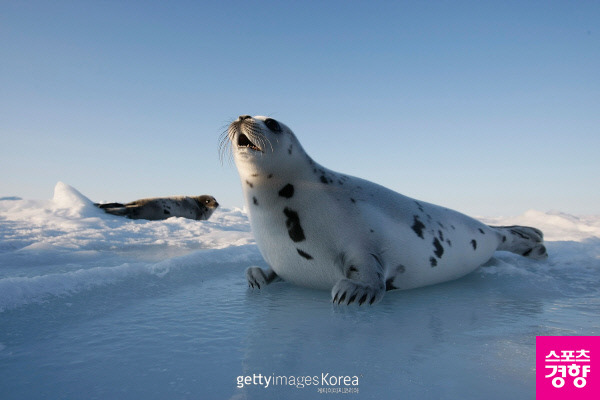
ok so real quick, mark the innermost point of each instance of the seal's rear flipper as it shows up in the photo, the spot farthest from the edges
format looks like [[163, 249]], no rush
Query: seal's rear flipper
[[114, 208], [109, 205], [522, 240]]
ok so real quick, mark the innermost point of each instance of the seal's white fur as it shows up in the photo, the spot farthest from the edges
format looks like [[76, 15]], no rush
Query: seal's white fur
[[322, 229]]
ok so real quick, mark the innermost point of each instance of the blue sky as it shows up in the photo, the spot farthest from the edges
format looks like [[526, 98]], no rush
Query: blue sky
[[490, 108]]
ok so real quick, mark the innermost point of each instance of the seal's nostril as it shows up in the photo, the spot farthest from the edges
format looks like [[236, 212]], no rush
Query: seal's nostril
[[243, 117]]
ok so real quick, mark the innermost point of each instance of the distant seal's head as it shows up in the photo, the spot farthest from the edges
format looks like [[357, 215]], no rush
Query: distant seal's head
[[208, 202], [261, 144]]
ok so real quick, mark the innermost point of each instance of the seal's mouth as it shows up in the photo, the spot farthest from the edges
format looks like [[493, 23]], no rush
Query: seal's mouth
[[244, 142]]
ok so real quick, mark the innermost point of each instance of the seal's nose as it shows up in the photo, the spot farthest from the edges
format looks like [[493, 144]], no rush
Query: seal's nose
[[243, 117]]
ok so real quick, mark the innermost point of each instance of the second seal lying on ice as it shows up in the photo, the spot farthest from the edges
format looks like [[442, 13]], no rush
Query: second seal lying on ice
[[157, 208], [322, 229]]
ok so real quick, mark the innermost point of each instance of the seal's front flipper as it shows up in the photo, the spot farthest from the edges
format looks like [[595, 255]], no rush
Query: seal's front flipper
[[348, 291], [523, 240], [364, 282], [258, 277]]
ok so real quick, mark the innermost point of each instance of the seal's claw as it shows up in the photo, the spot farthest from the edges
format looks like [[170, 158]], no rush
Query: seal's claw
[[348, 291], [256, 277]]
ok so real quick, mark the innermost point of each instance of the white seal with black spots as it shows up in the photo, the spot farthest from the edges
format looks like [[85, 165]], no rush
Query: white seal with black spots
[[159, 208], [323, 229]]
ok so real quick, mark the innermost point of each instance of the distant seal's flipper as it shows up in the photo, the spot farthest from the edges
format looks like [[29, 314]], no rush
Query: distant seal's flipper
[[523, 240]]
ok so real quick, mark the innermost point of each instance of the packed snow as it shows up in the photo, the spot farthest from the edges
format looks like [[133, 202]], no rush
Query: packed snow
[[96, 306]]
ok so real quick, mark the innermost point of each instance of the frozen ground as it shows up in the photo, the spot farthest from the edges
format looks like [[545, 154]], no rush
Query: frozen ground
[[94, 306]]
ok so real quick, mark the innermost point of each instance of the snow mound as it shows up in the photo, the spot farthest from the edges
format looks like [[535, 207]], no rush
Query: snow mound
[[69, 202]]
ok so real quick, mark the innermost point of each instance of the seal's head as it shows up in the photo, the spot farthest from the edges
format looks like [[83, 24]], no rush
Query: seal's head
[[261, 144], [207, 201]]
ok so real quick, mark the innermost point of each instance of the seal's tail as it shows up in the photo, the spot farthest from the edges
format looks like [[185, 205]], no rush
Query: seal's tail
[[522, 240]]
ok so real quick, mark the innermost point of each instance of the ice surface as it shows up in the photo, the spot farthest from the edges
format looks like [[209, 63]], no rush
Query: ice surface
[[96, 306]]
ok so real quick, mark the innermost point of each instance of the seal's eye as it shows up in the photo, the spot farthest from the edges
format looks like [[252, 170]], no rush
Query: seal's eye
[[273, 125]]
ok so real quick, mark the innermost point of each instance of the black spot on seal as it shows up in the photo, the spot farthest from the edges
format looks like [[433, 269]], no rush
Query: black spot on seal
[[287, 191], [418, 227], [474, 244], [304, 254], [324, 180], [249, 184], [481, 230], [433, 262], [166, 212], [439, 249], [352, 272], [389, 285], [254, 200], [293, 225]]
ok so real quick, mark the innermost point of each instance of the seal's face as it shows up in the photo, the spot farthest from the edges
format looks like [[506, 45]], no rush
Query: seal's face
[[207, 201], [259, 143]]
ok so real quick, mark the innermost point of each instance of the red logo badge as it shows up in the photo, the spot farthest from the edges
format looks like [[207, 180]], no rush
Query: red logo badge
[[564, 367]]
